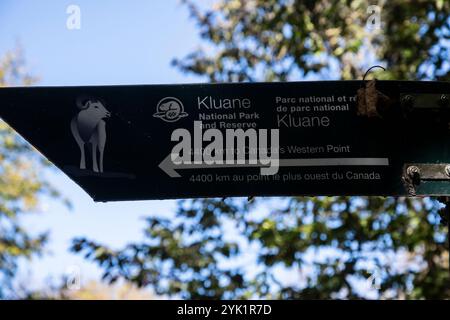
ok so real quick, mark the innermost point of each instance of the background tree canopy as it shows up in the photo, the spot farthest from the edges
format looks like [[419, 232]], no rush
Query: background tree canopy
[[328, 246]]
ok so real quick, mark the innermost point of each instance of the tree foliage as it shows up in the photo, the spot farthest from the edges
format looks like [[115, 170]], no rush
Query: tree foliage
[[323, 247], [21, 183], [288, 40]]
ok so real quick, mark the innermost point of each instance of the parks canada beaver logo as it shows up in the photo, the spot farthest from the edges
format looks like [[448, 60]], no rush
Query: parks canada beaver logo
[[170, 109]]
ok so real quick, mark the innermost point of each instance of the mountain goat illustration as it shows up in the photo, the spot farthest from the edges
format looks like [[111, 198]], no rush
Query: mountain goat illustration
[[89, 127]]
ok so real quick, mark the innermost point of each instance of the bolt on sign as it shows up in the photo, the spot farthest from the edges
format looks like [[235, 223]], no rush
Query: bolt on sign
[[247, 139]]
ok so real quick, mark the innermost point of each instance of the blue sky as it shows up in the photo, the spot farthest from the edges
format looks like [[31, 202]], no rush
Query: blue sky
[[120, 42]]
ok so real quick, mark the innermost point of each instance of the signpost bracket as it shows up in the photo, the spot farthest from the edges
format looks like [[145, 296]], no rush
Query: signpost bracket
[[425, 101], [414, 173]]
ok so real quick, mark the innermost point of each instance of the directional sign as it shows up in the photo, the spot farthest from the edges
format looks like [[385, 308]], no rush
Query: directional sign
[[251, 139]]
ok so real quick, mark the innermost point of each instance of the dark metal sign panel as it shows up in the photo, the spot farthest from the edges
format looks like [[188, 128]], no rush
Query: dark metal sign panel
[[252, 139]]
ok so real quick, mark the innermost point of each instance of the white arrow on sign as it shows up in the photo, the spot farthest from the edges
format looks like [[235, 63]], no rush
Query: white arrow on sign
[[170, 168]]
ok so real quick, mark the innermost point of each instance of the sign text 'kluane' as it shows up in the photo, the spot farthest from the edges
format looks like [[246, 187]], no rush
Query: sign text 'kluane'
[[251, 139]]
